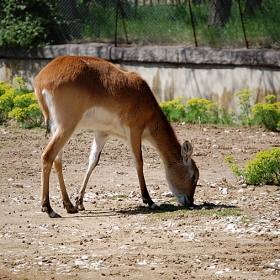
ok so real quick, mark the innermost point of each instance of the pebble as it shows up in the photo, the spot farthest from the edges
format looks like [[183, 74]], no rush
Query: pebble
[[167, 194], [224, 191]]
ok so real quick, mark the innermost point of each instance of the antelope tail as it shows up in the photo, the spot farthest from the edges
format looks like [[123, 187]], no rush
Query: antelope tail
[[42, 100]]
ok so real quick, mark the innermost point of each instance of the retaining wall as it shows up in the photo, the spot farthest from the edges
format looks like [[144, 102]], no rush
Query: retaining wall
[[212, 74]]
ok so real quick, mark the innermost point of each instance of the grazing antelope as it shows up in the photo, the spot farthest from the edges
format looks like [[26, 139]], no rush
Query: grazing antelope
[[86, 92]]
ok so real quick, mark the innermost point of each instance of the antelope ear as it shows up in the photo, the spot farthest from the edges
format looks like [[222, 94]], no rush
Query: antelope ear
[[186, 150]]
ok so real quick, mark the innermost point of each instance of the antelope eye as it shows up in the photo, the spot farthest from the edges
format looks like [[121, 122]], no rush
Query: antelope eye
[[194, 177]]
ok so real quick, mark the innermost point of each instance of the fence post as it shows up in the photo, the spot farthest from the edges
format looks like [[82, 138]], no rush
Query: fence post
[[243, 26], [116, 22], [193, 26], [122, 14]]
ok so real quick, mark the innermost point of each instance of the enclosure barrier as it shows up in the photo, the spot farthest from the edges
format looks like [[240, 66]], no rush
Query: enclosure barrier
[[199, 23]]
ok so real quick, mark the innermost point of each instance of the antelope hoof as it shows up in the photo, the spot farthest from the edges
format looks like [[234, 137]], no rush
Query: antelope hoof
[[50, 212], [79, 204], [81, 207], [54, 215], [154, 207], [70, 208]]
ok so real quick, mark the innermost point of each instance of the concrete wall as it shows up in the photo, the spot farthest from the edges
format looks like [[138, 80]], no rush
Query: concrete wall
[[170, 71]]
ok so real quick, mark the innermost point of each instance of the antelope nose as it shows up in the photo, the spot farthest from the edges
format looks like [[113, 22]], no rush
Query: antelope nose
[[185, 201]]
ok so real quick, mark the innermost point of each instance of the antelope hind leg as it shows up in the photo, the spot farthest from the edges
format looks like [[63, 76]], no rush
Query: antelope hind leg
[[65, 198]]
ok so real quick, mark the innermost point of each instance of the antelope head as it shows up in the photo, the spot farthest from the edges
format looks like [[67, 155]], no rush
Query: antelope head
[[182, 176]]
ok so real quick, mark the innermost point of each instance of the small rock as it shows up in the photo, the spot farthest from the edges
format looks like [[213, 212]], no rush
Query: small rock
[[224, 191], [167, 194], [17, 185], [132, 194]]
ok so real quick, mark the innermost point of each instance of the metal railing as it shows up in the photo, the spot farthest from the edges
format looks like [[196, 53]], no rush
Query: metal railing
[[208, 23]]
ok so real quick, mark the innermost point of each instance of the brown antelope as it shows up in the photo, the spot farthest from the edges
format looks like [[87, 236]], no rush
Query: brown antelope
[[85, 92]]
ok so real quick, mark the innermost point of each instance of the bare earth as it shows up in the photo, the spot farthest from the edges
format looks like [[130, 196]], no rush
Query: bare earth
[[233, 234]]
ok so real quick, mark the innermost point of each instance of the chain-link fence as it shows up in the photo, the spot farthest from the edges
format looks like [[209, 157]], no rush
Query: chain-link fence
[[210, 23]]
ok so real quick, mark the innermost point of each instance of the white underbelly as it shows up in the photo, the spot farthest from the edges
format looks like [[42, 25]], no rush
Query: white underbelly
[[102, 119]]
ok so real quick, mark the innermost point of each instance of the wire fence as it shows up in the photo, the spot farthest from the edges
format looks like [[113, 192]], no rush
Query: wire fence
[[208, 23]]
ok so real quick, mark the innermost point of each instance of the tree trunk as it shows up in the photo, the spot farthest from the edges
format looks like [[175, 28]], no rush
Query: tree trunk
[[220, 11]]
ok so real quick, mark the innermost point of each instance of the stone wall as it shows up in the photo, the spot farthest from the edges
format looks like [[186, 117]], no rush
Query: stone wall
[[213, 74]]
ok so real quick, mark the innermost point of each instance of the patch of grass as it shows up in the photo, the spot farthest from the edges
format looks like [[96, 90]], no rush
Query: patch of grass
[[173, 215], [221, 212], [247, 219], [170, 211], [4, 144], [118, 196]]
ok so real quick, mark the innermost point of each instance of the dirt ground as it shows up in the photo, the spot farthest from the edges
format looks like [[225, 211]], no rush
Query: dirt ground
[[234, 233]]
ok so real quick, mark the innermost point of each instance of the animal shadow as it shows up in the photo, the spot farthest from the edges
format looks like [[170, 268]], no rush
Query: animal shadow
[[169, 207]]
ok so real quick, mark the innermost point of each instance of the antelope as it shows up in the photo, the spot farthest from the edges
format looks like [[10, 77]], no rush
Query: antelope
[[77, 92]]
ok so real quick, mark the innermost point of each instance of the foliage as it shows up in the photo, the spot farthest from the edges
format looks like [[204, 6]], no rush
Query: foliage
[[268, 114], [28, 23], [149, 22], [234, 167], [263, 169], [197, 111], [20, 104], [245, 106], [174, 110], [202, 111], [227, 118]]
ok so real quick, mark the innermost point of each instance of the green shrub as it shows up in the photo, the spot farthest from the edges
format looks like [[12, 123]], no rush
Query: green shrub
[[28, 23], [245, 116], [202, 111], [20, 104], [26, 110], [7, 95], [263, 169], [268, 114], [227, 118], [197, 111], [174, 110]]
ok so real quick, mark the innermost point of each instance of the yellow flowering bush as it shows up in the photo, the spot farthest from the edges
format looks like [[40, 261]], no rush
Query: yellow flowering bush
[[263, 169], [202, 111], [268, 113], [196, 110], [7, 95], [19, 103], [174, 110]]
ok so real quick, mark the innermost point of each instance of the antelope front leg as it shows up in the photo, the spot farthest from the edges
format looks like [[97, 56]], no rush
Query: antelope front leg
[[134, 143], [100, 138]]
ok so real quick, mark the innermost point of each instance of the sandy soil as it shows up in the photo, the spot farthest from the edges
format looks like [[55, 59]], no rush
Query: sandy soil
[[233, 234]]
